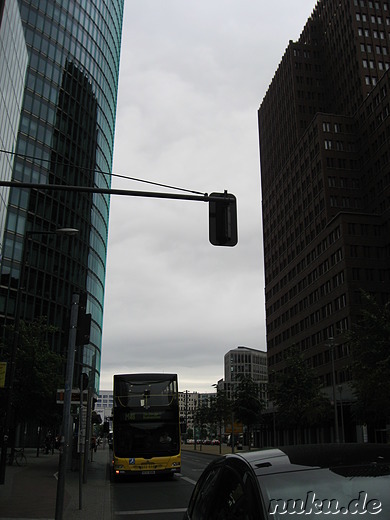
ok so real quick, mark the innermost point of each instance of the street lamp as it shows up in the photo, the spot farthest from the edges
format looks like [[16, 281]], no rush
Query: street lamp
[[342, 414], [15, 343], [331, 346]]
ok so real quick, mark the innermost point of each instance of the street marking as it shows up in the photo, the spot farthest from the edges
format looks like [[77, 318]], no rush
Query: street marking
[[189, 480], [150, 511]]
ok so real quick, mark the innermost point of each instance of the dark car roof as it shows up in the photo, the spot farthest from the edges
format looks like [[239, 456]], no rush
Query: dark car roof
[[275, 460]]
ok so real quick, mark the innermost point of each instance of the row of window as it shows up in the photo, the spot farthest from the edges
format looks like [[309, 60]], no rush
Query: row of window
[[307, 301], [307, 260], [379, 35], [329, 127], [371, 5], [371, 64], [334, 145], [376, 19], [343, 182], [341, 350], [345, 202], [312, 340], [368, 48]]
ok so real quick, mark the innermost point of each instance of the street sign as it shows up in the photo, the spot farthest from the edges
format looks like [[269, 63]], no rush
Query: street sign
[[3, 371], [75, 398], [238, 428]]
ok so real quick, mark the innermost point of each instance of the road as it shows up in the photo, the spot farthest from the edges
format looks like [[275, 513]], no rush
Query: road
[[158, 498]]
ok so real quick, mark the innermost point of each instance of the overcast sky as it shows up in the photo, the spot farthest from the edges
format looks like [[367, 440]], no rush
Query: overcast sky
[[192, 77]]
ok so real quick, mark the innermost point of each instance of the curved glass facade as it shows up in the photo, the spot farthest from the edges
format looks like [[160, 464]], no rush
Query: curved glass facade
[[66, 136], [13, 65]]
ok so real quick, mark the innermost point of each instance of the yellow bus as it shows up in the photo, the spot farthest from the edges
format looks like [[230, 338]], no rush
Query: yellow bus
[[146, 429]]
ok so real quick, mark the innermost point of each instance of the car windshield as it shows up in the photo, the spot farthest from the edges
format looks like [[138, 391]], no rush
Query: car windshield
[[313, 493]]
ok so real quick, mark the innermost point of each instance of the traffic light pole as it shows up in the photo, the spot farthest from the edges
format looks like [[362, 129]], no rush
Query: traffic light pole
[[66, 420], [222, 210], [108, 191]]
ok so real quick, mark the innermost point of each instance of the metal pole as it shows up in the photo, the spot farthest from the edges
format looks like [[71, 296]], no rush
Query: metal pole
[[195, 420], [186, 415], [66, 420], [232, 439], [342, 414], [336, 419], [110, 191], [87, 450], [81, 443]]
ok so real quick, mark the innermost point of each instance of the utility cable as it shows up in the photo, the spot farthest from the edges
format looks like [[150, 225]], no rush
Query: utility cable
[[32, 158]]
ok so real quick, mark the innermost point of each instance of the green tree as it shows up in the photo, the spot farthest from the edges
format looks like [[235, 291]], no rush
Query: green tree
[[220, 412], [369, 341], [297, 394], [248, 404], [38, 374], [202, 419]]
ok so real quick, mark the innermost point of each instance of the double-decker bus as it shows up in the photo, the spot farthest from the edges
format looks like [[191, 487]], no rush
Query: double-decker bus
[[146, 431]]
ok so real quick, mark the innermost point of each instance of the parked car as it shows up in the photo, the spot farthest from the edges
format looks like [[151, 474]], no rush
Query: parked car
[[215, 442], [311, 480]]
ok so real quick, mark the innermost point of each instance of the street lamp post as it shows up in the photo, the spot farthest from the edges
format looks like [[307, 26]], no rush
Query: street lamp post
[[186, 415], [342, 414], [331, 346], [15, 342]]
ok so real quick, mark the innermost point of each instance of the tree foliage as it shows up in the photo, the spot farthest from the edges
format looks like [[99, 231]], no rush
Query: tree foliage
[[38, 373], [220, 409], [369, 341], [297, 394], [220, 412], [247, 403]]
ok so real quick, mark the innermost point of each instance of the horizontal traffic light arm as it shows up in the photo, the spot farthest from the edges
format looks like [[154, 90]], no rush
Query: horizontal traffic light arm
[[108, 191], [222, 207]]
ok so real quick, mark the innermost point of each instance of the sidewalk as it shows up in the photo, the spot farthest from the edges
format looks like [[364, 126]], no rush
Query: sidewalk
[[30, 492], [209, 449]]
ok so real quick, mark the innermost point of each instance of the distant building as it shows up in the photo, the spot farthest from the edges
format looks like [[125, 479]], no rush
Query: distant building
[[245, 362], [188, 403], [104, 404]]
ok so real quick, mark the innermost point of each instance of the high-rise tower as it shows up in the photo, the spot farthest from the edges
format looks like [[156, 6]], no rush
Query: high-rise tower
[[65, 136], [324, 131]]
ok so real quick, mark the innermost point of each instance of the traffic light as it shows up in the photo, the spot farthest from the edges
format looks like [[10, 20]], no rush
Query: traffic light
[[83, 322], [83, 381], [223, 219]]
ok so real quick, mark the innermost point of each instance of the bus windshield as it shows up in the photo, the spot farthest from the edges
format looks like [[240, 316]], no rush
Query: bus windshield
[[146, 440], [146, 416]]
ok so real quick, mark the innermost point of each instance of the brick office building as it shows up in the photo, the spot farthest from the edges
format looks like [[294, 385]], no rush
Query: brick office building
[[324, 132]]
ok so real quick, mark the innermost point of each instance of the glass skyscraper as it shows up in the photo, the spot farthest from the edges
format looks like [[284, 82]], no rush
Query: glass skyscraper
[[65, 136], [13, 66]]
